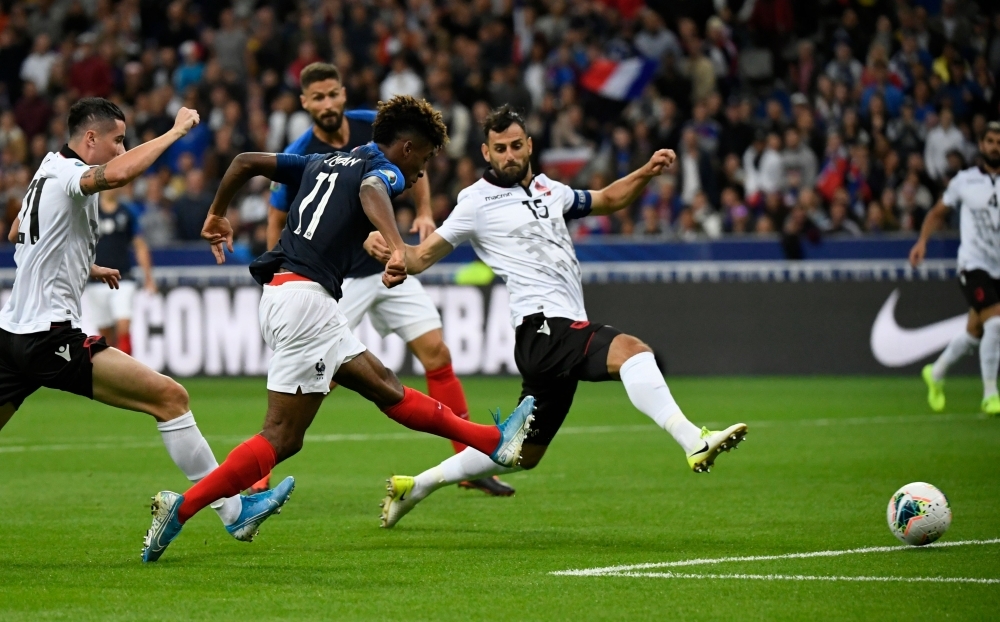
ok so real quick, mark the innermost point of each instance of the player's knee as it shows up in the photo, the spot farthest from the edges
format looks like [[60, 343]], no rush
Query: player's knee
[[174, 400], [435, 356]]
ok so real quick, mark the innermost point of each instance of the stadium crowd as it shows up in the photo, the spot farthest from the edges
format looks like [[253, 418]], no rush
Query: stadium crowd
[[795, 117]]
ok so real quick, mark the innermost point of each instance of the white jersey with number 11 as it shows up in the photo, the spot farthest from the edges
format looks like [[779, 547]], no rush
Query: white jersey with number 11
[[56, 241]]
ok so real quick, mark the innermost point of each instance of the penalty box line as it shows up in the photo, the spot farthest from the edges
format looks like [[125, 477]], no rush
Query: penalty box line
[[133, 443], [630, 570]]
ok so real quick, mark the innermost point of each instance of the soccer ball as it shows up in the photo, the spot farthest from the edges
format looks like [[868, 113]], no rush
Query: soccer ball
[[918, 514]]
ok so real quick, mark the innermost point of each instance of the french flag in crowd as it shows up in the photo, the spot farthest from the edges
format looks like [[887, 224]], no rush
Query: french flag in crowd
[[619, 80]]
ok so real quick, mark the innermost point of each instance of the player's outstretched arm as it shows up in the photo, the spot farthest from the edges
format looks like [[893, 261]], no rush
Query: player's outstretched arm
[[932, 222], [217, 230], [126, 167], [626, 190], [418, 258], [377, 205]]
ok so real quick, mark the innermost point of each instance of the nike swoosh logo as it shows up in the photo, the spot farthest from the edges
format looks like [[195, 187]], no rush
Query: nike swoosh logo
[[702, 450], [895, 346]]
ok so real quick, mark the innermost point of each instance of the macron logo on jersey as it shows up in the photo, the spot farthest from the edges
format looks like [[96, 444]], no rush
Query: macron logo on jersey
[[498, 196]]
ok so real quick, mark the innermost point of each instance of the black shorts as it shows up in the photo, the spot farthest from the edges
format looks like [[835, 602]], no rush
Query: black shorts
[[59, 358], [553, 354], [980, 289]]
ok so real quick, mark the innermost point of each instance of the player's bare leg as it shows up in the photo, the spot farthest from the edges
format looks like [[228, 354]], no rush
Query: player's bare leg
[[123, 382], [964, 343], [989, 358], [442, 385], [289, 416], [633, 362]]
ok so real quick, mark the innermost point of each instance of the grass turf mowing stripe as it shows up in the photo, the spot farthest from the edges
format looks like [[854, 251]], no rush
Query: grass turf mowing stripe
[[800, 577], [568, 430], [612, 570]]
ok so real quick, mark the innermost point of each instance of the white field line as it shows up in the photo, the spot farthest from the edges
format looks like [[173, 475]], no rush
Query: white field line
[[800, 577], [630, 569], [108, 443]]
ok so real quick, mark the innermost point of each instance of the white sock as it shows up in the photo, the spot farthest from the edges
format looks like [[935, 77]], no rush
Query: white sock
[[958, 347], [989, 355], [649, 393], [192, 455], [465, 465]]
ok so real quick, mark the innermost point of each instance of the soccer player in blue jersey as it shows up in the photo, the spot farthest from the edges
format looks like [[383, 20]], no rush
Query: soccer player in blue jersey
[[338, 199], [406, 310]]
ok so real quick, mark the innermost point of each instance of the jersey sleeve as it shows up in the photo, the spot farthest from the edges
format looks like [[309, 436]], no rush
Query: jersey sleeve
[[280, 197], [575, 203], [133, 216], [368, 116], [461, 224], [68, 174], [291, 167], [391, 176], [951, 196]]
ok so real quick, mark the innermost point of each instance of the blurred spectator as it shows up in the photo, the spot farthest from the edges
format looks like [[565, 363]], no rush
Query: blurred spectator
[[799, 158], [37, 67], [940, 140], [32, 112], [156, 217], [872, 89], [90, 74], [191, 207], [695, 169], [401, 80]]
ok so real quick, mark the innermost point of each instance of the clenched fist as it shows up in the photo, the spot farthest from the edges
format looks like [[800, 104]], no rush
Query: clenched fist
[[185, 120]]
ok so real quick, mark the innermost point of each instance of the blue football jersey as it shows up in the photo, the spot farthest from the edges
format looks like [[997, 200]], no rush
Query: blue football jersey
[[327, 225], [360, 124]]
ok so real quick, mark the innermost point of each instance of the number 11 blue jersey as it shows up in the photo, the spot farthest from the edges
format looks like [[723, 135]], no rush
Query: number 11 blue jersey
[[326, 222]]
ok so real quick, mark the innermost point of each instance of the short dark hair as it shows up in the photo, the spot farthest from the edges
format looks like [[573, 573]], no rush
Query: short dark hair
[[499, 119], [405, 114], [90, 110], [317, 72]]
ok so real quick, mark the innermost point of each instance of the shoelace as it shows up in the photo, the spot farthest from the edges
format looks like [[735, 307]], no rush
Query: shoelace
[[495, 415]]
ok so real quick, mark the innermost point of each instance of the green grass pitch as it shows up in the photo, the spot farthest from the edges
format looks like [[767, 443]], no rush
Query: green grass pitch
[[821, 460]]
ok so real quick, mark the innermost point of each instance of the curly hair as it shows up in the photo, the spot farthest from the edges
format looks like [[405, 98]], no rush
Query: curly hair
[[404, 114]]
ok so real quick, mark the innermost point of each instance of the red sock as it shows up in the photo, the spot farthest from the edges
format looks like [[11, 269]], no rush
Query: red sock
[[443, 385], [423, 414], [125, 343], [244, 466]]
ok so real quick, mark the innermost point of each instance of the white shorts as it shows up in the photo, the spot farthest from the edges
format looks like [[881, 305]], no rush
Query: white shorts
[[301, 323], [406, 309], [106, 306]]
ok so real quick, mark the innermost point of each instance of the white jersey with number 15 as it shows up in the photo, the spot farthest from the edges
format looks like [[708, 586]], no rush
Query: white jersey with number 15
[[521, 234]]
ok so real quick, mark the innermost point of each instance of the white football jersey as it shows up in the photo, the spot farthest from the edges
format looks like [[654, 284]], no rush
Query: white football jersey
[[521, 234], [974, 192], [56, 242]]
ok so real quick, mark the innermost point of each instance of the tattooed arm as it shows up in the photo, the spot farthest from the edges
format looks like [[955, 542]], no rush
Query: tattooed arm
[[126, 167]]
